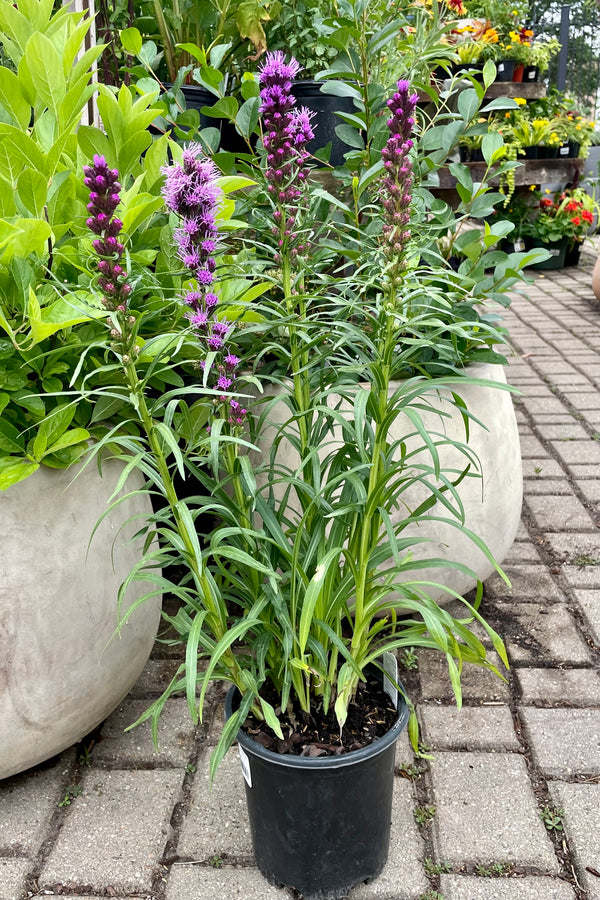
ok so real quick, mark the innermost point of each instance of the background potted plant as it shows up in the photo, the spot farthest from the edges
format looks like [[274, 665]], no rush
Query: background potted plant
[[560, 222], [541, 52]]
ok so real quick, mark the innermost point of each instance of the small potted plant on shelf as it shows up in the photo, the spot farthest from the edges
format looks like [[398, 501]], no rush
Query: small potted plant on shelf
[[517, 48], [541, 51]]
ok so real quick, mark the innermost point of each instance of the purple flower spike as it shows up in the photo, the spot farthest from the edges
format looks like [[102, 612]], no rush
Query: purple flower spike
[[192, 192], [397, 184], [104, 198], [286, 132]]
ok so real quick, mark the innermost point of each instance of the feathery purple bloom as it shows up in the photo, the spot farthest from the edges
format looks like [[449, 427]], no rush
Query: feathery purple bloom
[[398, 167], [286, 131], [191, 191], [104, 199]]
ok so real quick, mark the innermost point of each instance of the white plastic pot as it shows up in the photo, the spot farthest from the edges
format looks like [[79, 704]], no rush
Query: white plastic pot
[[62, 668]]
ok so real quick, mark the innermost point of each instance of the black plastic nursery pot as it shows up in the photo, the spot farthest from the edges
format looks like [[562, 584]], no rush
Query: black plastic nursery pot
[[573, 254], [531, 74], [564, 150], [325, 121], [320, 825], [557, 250], [505, 70]]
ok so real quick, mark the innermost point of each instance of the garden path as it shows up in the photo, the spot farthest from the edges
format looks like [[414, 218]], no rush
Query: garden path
[[509, 806]]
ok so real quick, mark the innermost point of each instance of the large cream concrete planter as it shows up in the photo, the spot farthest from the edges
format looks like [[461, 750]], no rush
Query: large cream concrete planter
[[491, 497], [62, 669]]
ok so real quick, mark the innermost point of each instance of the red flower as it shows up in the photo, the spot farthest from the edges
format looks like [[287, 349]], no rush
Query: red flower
[[546, 201], [576, 220], [587, 216], [572, 206]]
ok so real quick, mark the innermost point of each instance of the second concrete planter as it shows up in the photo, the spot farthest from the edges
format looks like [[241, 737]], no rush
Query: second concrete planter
[[491, 494]]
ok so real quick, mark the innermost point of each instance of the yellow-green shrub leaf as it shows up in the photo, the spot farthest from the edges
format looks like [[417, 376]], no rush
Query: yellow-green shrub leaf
[[12, 99]]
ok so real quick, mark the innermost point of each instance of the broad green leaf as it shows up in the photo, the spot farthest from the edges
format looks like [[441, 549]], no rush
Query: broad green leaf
[[350, 136], [33, 190], [12, 99], [22, 145], [73, 45], [11, 440], [247, 116], [143, 207], [51, 429], [15, 26], [131, 39], [68, 439], [29, 401], [490, 145], [91, 140], [12, 471], [46, 70], [131, 152], [8, 207], [30, 237], [489, 73], [225, 108], [468, 104], [230, 183]]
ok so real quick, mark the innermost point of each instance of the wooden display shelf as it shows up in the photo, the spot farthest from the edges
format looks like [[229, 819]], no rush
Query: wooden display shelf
[[532, 171], [512, 89]]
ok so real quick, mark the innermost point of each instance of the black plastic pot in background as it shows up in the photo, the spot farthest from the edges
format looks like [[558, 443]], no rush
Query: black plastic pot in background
[[505, 69], [531, 74], [320, 825], [573, 254], [574, 149], [196, 97], [470, 154], [557, 250], [545, 152], [325, 121], [531, 152]]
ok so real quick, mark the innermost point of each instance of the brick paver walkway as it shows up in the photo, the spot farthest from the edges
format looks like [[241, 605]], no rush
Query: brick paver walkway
[[144, 825]]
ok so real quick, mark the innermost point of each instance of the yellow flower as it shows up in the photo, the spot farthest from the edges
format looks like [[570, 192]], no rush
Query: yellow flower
[[521, 101], [532, 187]]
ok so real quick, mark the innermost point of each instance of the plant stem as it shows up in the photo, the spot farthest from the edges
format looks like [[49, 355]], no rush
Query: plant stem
[[216, 616]]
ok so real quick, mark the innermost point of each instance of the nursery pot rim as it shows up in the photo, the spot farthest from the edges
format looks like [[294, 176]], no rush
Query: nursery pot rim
[[322, 762]]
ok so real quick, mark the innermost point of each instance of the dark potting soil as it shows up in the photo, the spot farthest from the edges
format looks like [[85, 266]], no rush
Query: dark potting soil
[[370, 715]]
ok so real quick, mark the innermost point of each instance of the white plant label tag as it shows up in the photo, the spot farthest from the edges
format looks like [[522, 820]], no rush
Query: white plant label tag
[[245, 766], [519, 246], [390, 676]]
